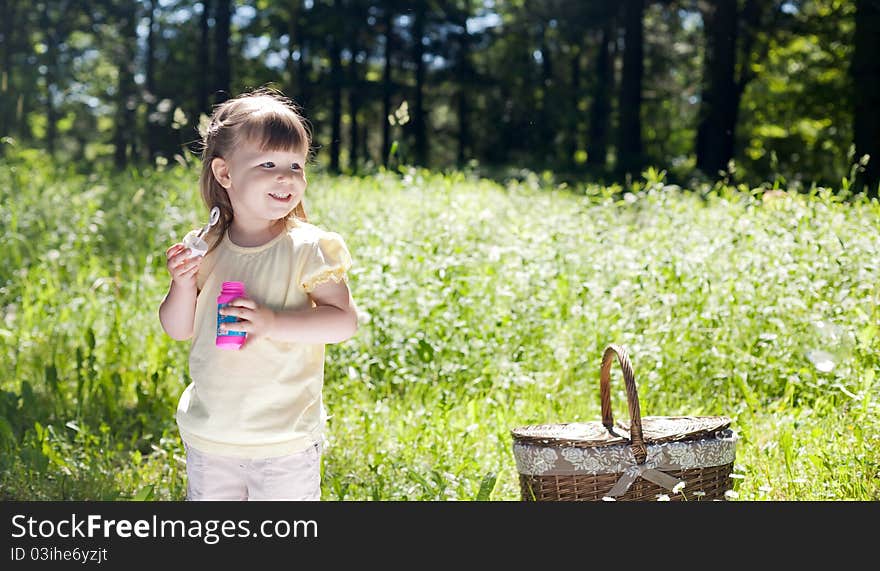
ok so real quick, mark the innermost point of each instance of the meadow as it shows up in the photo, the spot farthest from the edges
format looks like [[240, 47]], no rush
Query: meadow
[[483, 305]]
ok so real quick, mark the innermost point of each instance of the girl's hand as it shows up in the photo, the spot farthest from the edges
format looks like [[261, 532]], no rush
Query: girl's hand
[[182, 268], [253, 319]]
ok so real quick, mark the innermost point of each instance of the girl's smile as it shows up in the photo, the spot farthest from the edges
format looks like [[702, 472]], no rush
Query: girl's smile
[[282, 197]]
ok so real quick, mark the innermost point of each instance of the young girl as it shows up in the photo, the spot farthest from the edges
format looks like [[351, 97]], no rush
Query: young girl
[[252, 419]]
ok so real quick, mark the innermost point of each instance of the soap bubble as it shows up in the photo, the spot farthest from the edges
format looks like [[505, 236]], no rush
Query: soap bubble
[[822, 360], [833, 345]]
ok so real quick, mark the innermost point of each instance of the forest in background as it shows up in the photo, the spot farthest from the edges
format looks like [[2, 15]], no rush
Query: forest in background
[[483, 304], [781, 92]]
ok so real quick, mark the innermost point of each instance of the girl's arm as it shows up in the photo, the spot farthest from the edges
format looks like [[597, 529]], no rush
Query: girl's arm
[[332, 320], [178, 309]]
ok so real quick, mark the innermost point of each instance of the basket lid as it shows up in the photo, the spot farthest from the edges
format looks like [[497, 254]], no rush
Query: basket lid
[[655, 429], [638, 432]]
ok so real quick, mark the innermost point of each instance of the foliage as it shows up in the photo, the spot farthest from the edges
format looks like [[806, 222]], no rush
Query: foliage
[[483, 306], [523, 72], [797, 122]]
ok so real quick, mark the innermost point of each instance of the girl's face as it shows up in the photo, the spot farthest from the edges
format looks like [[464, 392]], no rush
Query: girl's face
[[263, 186]]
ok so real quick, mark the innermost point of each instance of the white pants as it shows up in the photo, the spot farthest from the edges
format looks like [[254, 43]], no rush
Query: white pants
[[293, 477]]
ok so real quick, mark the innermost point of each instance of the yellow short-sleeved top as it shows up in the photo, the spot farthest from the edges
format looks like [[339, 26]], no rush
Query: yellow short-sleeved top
[[264, 399]]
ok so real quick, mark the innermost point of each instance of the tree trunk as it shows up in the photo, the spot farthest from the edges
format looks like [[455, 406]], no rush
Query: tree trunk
[[51, 30], [336, 94], [150, 96], [23, 107], [24, 83], [353, 24], [51, 90], [7, 93], [545, 127], [464, 135], [388, 22], [629, 146], [574, 113], [305, 91], [866, 93], [418, 115], [720, 100], [365, 150], [600, 110], [293, 28], [204, 64], [222, 69], [465, 79], [353, 106], [125, 109]]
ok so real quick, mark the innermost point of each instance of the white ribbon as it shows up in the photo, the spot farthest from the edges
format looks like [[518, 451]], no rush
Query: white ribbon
[[650, 471]]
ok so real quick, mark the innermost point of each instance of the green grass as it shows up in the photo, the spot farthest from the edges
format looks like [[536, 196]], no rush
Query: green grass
[[484, 306]]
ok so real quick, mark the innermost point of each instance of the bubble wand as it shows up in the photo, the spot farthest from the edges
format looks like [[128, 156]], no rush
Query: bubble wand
[[195, 242]]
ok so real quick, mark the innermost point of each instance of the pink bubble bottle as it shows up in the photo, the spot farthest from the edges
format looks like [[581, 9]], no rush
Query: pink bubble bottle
[[230, 339]]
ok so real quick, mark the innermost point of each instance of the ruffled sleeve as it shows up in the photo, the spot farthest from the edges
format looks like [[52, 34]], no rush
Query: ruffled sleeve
[[328, 260]]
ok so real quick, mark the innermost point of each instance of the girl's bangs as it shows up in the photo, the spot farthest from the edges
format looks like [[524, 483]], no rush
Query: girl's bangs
[[274, 131]]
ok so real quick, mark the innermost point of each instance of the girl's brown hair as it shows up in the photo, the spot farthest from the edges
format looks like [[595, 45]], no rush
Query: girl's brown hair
[[263, 116]]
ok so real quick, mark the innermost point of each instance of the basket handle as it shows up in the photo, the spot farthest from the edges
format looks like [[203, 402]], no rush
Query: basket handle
[[637, 441]]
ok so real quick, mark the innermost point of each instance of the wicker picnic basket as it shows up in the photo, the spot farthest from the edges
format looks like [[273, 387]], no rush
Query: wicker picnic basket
[[679, 457]]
